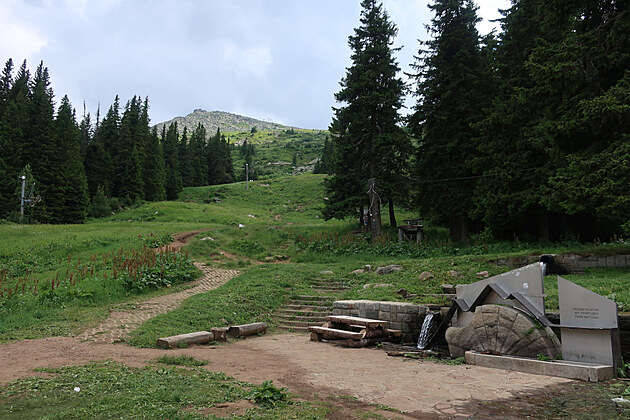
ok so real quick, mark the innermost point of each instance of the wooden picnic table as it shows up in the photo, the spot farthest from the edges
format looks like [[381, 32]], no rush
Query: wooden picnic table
[[357, 332]]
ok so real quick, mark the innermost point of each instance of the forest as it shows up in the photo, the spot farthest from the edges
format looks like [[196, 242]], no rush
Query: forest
[[523, 133], [83, 168]]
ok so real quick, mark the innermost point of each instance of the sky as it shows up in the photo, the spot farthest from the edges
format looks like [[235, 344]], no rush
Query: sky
[[276, 60]]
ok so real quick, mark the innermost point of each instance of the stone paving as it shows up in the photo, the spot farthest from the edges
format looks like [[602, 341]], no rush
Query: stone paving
[[123, 321]]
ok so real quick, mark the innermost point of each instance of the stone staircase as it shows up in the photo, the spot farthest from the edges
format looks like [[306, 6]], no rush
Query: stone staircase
[[310, 309]]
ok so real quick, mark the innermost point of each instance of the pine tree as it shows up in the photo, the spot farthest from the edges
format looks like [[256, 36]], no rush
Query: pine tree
[[74, 208], [365, 128], [171, 162], [108, 135], [324, 163], [154, 172], [185, 159], [13, 122], [199, 160], [451, 94], [41, 148], [129, 155]]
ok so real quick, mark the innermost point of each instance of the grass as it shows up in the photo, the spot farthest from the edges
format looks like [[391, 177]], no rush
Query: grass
[[106, 390], [182, 360]]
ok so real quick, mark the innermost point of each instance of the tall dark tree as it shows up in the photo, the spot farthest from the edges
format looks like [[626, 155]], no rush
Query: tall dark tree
[[154, 172], [451, 93], [171, 162], [365, 127], [128, 181], [13, 123], [185, 159], [74, 207], [41, 149], [199, 160], [108, 135]]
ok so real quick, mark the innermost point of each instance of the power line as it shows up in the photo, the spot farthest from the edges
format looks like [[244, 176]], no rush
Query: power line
[[431, 181]]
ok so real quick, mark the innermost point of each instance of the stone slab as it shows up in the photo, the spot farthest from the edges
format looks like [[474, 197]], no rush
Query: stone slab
[[559, 368]]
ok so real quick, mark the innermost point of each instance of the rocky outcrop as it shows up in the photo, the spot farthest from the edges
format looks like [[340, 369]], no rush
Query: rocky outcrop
[[503, 330], [225, 121]]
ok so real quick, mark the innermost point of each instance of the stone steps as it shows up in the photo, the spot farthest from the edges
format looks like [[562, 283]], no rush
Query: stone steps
[[310, 309]]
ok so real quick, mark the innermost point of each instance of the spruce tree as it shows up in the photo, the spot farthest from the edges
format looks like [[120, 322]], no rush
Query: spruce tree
[[41, 149], [108, 135], [199, 161], [171, 162], [75, 195], [129, 153], [185, 159], [154, 172], [451, 94], [365, 127]]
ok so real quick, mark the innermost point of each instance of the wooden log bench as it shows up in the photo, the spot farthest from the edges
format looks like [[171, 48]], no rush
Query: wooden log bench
[[356, 331], [199, 337]]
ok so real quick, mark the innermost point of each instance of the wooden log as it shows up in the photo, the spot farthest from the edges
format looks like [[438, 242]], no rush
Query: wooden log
[[364, 342], [394, 333], [220, 333], [247, 329], [375, 332], [353, 320], [199, 337], [331, 333]]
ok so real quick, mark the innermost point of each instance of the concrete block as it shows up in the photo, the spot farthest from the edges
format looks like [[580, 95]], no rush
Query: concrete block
[[371, 305], [385, 316], [395, 325], [560, 368], [610, 261], [371, 314], [620, 260], [409, 309], [601, 262]]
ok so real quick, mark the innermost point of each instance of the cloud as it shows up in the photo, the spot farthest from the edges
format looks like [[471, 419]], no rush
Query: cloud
[[18, 39], [245, 61]]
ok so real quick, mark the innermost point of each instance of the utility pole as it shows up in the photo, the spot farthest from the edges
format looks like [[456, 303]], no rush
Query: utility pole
[[247, 176], [22, 178]]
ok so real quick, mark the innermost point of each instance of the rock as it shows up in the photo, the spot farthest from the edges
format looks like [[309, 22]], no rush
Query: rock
[[326, 272], [454, 273], [449, 289], [483, 275], [388, 269], [425, 275], [405, 294], [241, 225], [502, 330], [207, 238], [251, 215], [621, 402], [376, 285], [366, 268]]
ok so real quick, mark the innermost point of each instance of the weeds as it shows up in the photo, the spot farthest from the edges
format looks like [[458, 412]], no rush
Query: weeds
[[268, 395]]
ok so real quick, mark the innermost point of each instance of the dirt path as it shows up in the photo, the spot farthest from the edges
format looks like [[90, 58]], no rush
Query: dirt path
[[121, 323], [315, 370]]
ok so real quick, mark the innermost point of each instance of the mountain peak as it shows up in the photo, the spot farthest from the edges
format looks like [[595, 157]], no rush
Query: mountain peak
[[225, 121]]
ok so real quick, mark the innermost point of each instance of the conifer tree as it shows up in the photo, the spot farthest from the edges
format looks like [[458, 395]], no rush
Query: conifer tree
[[365, 127], [74, 207], [154, 172], [199, 161], [171, 162], [451, 94], [41, 149], [129, 154], [185, 159]]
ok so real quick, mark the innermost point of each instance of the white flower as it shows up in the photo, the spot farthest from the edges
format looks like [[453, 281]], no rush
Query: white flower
[[77, 389]]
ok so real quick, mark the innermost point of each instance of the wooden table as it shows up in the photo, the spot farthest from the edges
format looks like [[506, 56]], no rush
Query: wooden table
[[357, 332]]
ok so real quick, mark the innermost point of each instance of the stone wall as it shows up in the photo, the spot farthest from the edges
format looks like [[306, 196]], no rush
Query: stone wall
[[577, 263], [573, 263], [403, 316]]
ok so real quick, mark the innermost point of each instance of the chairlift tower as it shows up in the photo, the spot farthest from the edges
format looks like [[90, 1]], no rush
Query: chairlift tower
[[32, 200]]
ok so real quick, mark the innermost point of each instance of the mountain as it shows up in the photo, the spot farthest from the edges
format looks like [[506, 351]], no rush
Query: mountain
[[218, 119]]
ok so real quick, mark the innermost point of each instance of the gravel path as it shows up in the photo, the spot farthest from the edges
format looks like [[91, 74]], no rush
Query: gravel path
[[121, 323]]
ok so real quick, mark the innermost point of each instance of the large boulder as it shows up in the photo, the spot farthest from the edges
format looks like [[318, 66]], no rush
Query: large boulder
[[503, 330], [388, 269]]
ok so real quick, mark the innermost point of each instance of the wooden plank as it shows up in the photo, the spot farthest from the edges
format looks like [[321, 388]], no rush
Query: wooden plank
[[246, 329], [199, 337], [334, 333], [220, 333], [353, 320]]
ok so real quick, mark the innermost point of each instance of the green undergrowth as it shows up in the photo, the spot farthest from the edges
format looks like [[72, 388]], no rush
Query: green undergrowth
[[113, 390]]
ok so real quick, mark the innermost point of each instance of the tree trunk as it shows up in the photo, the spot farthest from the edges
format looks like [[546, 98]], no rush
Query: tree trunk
[[459, 228], [375, 209], [392, 215]]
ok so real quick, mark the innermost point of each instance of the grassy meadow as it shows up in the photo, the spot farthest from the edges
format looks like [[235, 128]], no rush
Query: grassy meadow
[[59, 280]]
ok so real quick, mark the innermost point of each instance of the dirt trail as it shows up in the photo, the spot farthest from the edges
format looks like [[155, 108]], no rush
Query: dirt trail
[[121, 323]]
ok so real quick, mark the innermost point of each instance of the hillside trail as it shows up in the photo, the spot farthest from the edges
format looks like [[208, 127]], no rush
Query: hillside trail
[[350, 381]]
